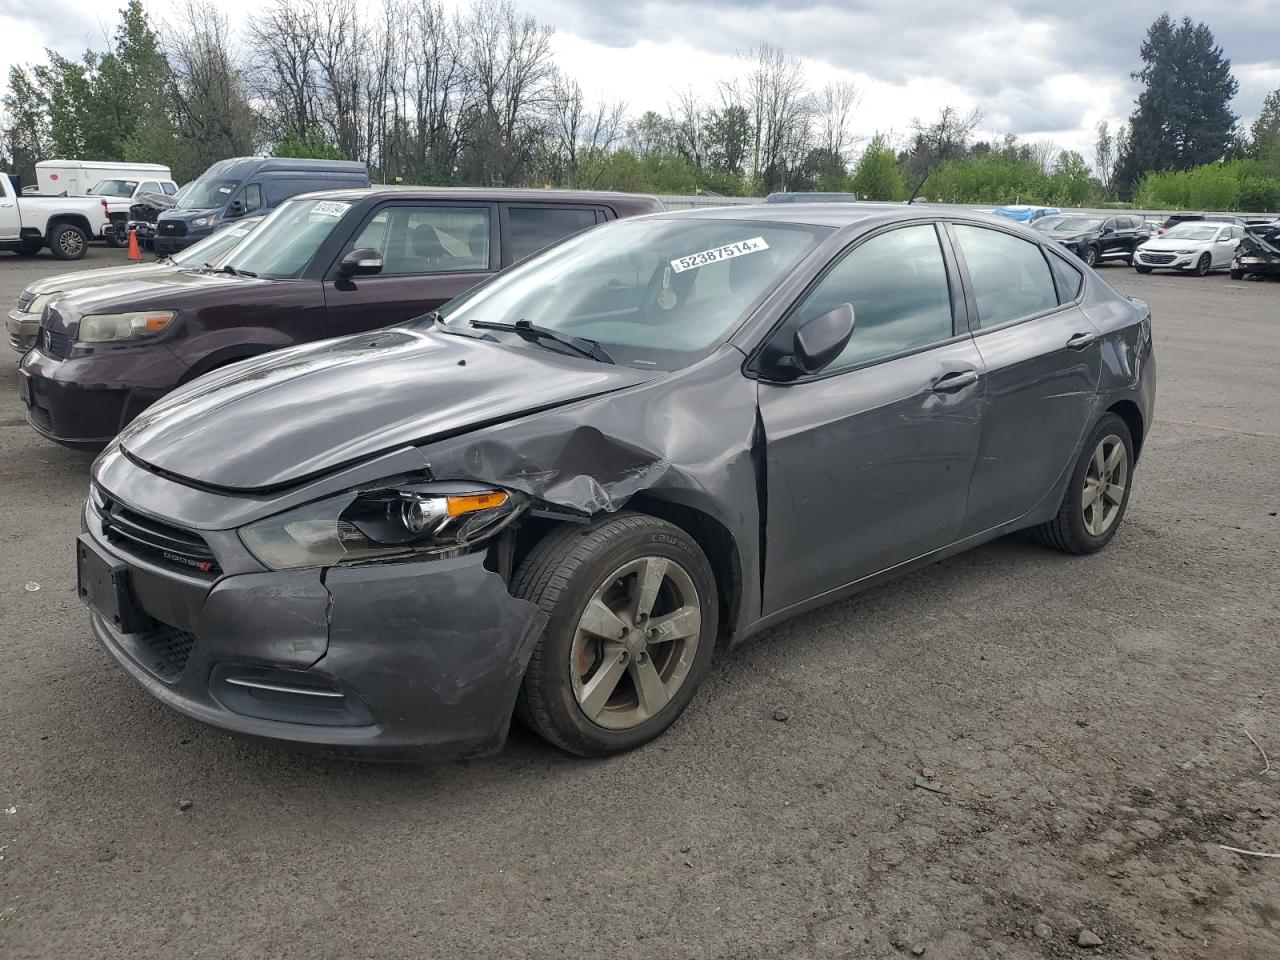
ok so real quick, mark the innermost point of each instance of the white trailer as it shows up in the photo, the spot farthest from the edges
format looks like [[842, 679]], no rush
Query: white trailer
[[76, 178]]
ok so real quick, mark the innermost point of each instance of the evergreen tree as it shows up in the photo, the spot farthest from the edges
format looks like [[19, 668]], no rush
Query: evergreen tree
[[876, 175], [1265, 132], [1183, 116], [26, 133]]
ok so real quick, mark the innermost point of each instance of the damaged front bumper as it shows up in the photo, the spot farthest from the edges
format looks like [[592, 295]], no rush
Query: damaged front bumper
[[413, 660]]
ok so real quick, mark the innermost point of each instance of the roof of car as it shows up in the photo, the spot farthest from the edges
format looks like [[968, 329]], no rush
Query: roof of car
[[492, 195], [833, 214]]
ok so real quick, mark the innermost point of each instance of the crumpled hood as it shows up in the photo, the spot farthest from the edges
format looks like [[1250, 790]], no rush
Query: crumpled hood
[[1061, 235], [271, 422]]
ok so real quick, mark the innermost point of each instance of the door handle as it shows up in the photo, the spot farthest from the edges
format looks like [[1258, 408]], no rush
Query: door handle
[[951, 382], [1081, 340]]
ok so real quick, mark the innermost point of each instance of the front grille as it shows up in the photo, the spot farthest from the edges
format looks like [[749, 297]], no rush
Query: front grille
[[171, 545], [172, 228], [1157, 258], [54, 343], [165, 650], [24, 300]]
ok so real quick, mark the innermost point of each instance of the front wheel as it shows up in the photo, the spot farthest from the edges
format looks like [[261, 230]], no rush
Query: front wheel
[[1203, 265], [1237, 274], [68, 242], [118, 235], [1091, 256], [632, 609], [1097, 494], [1141, 269]]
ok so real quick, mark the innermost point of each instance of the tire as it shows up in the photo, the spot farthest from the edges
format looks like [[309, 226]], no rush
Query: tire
[[28, 249], [1141, 269], [1237, 274], [117, 236], [68, 242], [575, 568], [1203, 265], [1091, 256], [1072, 530]]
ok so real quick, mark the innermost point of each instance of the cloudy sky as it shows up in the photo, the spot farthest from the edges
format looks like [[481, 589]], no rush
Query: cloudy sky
[[1041, 69]]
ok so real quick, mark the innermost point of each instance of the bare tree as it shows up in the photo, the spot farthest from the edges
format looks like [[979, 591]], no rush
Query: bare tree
[[1044, 154], [946, 138], [581, 134], [688, 125], [283, 69], [774, 92], [836, 104]]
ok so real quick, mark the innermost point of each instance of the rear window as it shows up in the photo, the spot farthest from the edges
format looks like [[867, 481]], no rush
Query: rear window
[[1067, 278]]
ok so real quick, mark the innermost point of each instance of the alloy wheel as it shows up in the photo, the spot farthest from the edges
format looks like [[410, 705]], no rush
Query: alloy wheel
[[635, 642], [70, 242], [1091, 256], [1104, 485], [1202, 265]]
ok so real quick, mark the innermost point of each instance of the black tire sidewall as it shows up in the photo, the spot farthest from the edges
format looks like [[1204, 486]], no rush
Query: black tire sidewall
[[1082, 540], [1091, 256], [1142, 269], [55, 242], [662, 540], [1204, 265]]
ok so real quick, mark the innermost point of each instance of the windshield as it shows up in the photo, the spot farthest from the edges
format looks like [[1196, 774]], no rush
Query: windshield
[[210, 251], [1078, 224], [1185, 231], [656, 294], [206, 194], [113, 188], [287, 240], [1048, 223]]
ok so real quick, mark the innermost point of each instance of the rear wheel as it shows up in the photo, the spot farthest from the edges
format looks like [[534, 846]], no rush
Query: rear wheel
[[67, 241], [1203, 265], [1097, 494], [632, 611]]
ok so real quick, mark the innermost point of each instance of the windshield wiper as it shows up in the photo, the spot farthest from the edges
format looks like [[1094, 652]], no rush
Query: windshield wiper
[[525, 329], [228, 268]]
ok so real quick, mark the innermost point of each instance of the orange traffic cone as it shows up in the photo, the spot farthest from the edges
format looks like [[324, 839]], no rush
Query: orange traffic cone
[[134, 252]]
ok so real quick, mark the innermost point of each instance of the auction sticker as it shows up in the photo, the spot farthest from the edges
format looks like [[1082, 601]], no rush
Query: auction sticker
[[329, 208], [730, 250]]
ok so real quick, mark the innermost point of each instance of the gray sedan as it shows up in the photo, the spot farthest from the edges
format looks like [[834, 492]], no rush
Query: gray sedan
[[560, 495]]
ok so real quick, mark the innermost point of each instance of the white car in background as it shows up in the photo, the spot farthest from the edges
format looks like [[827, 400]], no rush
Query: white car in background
[[1200, 246]]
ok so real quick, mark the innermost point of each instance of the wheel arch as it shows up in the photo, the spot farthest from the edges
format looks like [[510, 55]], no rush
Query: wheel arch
[[1129, 412], [72, 219]]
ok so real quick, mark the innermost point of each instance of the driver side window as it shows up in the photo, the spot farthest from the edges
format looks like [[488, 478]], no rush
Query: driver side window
[[897, 284]]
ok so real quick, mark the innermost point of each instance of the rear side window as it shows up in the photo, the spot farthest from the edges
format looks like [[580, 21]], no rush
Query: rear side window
[[897, 284], [1067, 277], [169, 187], [535, 228], [420, 239], [1009, 275]]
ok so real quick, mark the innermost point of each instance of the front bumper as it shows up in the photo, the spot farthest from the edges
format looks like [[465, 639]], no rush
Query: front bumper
[[1264, 266], [22, 329], [417, 660], [82, 402], [165, 245]]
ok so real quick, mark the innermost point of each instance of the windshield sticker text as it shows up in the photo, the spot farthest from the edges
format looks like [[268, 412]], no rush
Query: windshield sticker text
[[330, 208], [716, 254]]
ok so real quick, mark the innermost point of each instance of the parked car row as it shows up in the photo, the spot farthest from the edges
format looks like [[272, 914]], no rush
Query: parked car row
[[589, 443]]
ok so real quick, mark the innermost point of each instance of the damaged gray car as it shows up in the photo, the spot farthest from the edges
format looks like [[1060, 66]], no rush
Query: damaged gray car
[[560, 495]]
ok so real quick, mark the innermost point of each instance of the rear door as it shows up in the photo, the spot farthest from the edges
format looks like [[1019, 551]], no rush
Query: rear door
[[1224, 247], [868, 463], [1043, 361], [431, 252]]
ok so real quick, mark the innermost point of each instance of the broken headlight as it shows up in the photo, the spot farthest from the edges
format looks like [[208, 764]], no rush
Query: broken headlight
[[396, 521]]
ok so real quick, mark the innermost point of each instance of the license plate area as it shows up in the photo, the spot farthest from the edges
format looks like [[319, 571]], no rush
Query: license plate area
[[103, 585]]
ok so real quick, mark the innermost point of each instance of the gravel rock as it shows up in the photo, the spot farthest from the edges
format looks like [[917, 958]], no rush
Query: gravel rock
[[1087, 939], [184, 804], [1042, 931], [781, 715]]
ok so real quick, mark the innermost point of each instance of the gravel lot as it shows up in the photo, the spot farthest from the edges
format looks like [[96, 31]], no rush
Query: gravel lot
[[1088, 717]]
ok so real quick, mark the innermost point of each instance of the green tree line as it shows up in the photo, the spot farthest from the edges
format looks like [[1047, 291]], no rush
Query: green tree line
[[430, 95]]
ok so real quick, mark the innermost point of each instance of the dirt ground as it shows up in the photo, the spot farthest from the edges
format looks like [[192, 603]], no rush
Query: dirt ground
[[1088, 719]]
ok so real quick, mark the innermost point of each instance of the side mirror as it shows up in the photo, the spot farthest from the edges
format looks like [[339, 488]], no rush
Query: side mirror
[[820, 339], [1106, 230], [236, 209], [365, 262]]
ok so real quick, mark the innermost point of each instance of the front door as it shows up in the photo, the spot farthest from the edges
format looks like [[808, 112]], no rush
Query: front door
[[868, 463], [10, 221], [1043, 360], [431, 253]]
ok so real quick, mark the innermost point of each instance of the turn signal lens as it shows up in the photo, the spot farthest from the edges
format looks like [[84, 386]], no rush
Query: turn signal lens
[[458, 505]]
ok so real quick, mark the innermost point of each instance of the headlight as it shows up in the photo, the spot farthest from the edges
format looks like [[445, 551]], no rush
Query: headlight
[[202, 221], [1182, 253], [39, 303], [398, 520], [106, 327]]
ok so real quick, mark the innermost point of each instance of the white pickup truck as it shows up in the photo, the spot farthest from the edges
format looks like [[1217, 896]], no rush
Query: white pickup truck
[[63, 224]]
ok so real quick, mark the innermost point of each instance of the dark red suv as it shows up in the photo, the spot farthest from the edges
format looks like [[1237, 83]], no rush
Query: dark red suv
[[321, 265]]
